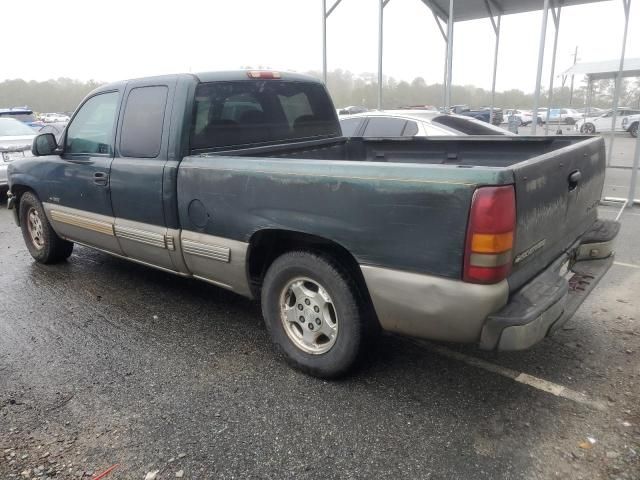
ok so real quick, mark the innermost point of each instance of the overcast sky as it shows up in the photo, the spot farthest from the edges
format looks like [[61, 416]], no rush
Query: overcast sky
[[117, 39]]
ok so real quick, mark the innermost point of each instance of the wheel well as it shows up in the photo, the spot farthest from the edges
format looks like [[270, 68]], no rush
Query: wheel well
[[267, 245], [17, 191]]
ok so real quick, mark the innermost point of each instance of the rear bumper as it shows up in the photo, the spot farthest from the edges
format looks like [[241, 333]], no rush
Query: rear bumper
[[544, 304], [451, 310]]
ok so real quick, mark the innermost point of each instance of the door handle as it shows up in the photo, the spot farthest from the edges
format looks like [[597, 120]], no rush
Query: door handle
[[100, 178]]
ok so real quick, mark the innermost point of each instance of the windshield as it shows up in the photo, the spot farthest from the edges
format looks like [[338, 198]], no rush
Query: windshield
[[10, 127], [227, 114]]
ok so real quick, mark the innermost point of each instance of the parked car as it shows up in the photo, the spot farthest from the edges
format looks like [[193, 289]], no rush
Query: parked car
[[483, 114], [630, 124], [56, 128], [54, 118], [602, 123], [414, 123], [24, 114], [568, 116], [15, 141], [466, 239], [351, 110], [523, 117]]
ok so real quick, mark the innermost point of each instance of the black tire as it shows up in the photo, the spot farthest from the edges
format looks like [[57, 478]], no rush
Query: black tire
[[633, 129], [45, 246], [588, 129], [347, 308]]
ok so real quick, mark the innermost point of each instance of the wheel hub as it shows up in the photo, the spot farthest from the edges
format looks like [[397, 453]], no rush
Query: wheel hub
[[35, 227], [308, 316]]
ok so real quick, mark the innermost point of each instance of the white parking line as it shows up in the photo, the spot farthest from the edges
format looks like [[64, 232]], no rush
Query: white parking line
[[629, 265], [524, 378]]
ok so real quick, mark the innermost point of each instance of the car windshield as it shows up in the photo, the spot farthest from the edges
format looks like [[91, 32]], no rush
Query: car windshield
[[12, 127]]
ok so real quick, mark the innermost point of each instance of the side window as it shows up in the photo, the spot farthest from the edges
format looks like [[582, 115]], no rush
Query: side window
[[142, 122], [350, 126], [91, 131], [384, 127], [411, 129]]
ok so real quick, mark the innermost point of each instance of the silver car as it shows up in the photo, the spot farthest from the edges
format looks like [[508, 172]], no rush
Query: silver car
[[414, 123], [15, 142]]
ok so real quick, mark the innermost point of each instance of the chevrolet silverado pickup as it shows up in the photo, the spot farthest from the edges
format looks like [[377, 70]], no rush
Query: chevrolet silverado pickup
[[244, 180]]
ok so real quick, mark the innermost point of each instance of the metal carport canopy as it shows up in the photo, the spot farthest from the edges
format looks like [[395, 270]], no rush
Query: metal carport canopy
[[606, 69], [475, 9]]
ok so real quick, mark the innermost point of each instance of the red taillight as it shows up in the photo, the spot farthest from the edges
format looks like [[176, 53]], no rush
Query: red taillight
[[263, 74], [492, 224]]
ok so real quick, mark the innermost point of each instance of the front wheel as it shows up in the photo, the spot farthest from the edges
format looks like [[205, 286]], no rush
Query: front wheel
[[44, 245], [312, 312], [633, 130]]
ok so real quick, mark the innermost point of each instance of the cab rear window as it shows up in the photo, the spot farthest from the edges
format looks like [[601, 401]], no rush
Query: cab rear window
[[228, 114]]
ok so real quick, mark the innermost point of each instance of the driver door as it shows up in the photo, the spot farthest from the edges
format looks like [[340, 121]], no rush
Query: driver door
[[79, 204]]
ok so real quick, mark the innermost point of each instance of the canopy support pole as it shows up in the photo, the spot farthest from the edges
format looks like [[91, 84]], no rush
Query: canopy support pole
[[325, 15], [555, 13], [449, 57], [496, 30], [616, 94], [438, 13], [381, 5], [634, 175], [536, 94]]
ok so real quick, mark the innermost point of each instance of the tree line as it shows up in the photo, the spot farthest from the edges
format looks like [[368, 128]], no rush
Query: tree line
[[346, 88]]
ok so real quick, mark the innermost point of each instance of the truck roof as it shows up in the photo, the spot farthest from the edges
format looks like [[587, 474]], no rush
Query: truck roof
[[219, 76]]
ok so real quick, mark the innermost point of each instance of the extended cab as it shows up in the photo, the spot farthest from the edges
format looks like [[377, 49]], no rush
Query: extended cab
[[243, 179]]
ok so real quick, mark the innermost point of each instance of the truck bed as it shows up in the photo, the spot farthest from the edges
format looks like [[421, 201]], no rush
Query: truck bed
[[400, 203], [482, 151]]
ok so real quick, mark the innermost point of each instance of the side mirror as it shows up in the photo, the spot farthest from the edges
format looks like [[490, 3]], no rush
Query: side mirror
[[44, 144]]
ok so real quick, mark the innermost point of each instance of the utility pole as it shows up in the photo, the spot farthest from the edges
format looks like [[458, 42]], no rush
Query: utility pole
[[575, 60]]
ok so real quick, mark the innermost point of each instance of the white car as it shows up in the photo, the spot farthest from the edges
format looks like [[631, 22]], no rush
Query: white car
[[54, 117], [523, 116], [568, 116], [414, 123], [15, 142], [602, 122], [630, 124]]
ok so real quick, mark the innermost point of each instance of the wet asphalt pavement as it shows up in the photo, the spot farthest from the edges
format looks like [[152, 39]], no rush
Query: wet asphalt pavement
[[104, 362]]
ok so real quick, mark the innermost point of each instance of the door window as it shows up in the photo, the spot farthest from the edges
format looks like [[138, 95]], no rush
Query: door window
[[384, 127], [142, 122], [91, 131], [410, 129]]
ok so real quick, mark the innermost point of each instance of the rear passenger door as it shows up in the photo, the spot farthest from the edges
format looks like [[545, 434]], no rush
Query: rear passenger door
[[137, 178]]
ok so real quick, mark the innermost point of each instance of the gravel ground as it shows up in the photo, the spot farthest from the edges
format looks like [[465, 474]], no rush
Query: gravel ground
[[104, 362]]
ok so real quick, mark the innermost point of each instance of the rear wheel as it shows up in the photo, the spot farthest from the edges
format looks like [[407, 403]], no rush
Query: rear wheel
[[313, 314], [44, 245], [588, 128]]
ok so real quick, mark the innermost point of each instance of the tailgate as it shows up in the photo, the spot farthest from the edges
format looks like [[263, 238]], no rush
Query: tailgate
[[557, 196]]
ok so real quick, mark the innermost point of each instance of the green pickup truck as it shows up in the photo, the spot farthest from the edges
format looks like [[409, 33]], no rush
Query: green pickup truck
[[244, 180]]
